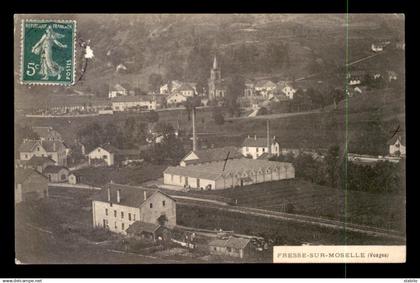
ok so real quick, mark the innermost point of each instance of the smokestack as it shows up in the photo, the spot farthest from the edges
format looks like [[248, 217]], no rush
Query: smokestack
[[268, 137], [145, 195], [118, 196], [109, 194], [194, 133]]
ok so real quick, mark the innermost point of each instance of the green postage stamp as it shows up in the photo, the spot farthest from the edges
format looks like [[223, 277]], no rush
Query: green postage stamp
[[48, 52]]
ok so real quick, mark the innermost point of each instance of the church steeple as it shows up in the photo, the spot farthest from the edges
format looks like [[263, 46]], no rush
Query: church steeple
[[214, 63]]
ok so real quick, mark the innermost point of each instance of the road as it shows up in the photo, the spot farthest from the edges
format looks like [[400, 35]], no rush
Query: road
[[277, 116]]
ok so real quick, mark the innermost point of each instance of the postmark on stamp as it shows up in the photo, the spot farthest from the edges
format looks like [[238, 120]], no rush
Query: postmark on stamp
[[48, 52]]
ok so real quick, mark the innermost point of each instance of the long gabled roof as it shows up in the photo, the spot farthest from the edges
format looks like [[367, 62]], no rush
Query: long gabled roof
[[394, 139], [265, 84], [129, 195], [22, 174], [139, 226], [29, 146], [133, 98], [232, 242], [217, 169], [215, 154], [39, 160], [53, 169]]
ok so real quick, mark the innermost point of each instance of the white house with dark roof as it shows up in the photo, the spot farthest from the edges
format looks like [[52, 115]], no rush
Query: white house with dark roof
[[286, 88], [397, 146], [117, 207], [56, 150], [265, 88], [104, 153], [235, 247], [257, 146], [118, 90], [176, 98]]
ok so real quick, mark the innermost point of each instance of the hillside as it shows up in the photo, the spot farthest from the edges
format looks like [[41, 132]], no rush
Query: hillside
[[181, 46]]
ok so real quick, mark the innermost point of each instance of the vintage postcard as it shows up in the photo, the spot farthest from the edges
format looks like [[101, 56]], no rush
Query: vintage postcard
[[209, 138]]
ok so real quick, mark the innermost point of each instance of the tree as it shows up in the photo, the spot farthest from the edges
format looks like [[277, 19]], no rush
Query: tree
[[155, 81], [331, 160], [218, 116], [152, 116]]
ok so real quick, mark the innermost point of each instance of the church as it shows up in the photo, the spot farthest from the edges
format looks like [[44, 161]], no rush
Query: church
[[217, 88]]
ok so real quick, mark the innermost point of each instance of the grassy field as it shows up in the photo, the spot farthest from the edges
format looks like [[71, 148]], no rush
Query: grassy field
[[379, 210], [282, 232]]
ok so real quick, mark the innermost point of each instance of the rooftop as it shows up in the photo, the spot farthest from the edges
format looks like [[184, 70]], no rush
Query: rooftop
[[129, 195], [39, 160], [216, 154], [49, 146], [22, 174], [215, 170], [133, 98], [139, 226], [53, 169], [232, 242]]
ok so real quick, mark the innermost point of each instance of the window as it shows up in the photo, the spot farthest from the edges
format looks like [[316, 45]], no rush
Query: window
[[151, 205], [122, 226], [263, 149], [229, 249], [134, 217], [38, 148], [106, 211], [115, 225], [99, 150], [105, 222], [129, 216], [26, 156], [115, 213], [163, 203], [258, 149], [122, 214], [104, 157]]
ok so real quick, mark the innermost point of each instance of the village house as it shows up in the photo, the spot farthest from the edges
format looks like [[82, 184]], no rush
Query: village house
[[176, 99], [55, 150], [186, 90], [216, 85], [377, 47], [104, 154], [285, 88], [39, 163], [74, 178], [30, 185], [356, 77], [249, 88], [117, 207], [265, 88], [257, 146], [118, 90], [397, 146], [148, 231], [124, 103], [56, 174], [47, 134], [202, 156], [234, 247], [227, 174], [392, 76]]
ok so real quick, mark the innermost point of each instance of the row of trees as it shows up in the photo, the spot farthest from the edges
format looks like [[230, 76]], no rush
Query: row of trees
[[335, 171]]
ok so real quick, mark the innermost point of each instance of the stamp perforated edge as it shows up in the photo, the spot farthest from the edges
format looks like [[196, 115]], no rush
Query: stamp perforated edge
[[22, 42]]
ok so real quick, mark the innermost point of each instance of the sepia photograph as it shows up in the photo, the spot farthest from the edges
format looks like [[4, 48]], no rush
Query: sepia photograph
[[209, 138]]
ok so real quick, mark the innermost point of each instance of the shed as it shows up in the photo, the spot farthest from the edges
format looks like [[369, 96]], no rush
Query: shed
[[235, 247]]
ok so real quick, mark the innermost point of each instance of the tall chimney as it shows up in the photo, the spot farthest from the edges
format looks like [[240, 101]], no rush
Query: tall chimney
[[118, 196], [145, 195], [194, 133], [268, 137], [109, 194]]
